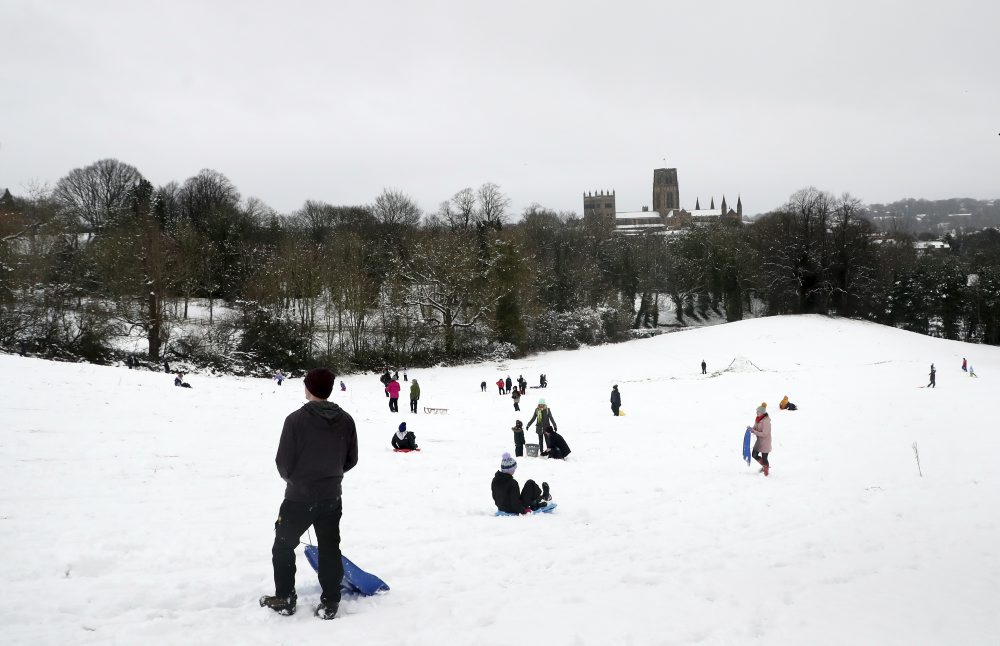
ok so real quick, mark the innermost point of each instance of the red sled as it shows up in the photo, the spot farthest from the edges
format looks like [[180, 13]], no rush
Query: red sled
[[404, 450]]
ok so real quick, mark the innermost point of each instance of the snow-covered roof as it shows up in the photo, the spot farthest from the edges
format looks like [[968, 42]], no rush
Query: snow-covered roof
[[704, 213], [931, 244], [652, 215]]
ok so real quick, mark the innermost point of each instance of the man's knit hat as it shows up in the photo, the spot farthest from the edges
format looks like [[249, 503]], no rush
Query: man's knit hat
[[402, 427], [319, 381], [508, 464]]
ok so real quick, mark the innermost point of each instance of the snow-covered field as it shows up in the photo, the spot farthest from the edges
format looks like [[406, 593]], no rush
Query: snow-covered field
[[134, 512]]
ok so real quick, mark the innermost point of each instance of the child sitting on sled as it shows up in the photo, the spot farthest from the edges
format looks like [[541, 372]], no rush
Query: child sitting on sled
[[403, 439], [509, 498], [787, 405]]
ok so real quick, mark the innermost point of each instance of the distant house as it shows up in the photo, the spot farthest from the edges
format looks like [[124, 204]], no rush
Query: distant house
[[931, 246]]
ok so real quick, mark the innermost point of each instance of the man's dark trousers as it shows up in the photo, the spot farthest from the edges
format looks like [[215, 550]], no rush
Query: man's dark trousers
[[294, 518]]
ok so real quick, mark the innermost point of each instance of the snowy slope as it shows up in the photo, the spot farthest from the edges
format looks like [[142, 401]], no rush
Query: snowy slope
[[134, 512]]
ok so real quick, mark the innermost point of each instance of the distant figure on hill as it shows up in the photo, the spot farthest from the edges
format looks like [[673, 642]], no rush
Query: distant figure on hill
[[395, 375], [616, 400], [516, 396], [933, 383], [509, 498], [404, 374], [964, 365], [543, 381], [166, 367], [500, 385], [279, 377], [518, 429], [787, 405], [392, 389], [558, 449], [343, 386], [522, 384], [704, 367], [414, 395], [128, 361], [762, 445], [385, 379], [482, 386], [507, 384], [972, 372], [542, 418], [179, 380], [403, 439]]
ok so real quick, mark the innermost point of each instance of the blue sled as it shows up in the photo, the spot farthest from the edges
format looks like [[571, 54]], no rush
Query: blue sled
[[746, 445], [356, 581], [541, 510]]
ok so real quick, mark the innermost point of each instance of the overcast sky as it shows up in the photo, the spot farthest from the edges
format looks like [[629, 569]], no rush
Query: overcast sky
[[334, 100]]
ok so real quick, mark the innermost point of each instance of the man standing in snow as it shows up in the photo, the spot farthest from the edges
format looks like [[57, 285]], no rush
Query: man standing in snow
[[616, 400], [414, 395], [703, 366], [508, 384], [319, 444], [933, 383]]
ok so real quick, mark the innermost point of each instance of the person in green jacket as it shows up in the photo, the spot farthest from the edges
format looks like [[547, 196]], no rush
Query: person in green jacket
[[414, 395]]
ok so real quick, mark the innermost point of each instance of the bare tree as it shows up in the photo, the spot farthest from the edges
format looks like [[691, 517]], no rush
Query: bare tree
[[98, 194], [492, 206], [463, 210], [205, 195], [393, 207]]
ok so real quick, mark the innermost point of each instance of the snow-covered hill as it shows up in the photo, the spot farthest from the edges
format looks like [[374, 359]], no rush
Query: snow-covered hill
[[134, 512]]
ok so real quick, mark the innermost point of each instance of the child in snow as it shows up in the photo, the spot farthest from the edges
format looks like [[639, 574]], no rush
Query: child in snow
[[509, 498], [516, 396], [558, 449], [179, 380], [482, 386], [403, 439], [932, 384], [500, 385], [414, 395], [518, 429], [279, 377], [972, 372], [392, 391], [787, 405], [762, 445], [343, 386], [964, 368]]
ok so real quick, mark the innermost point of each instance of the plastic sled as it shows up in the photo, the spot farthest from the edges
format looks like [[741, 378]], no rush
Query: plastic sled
[[746, 445], [404, 450], [547, 509], [356, 581]]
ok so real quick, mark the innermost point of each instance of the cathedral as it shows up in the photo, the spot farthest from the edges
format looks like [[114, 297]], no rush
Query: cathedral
[[666, 215]]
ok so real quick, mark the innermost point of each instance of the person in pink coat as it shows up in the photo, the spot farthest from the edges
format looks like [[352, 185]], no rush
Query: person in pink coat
[[392, 388], [762, 445]]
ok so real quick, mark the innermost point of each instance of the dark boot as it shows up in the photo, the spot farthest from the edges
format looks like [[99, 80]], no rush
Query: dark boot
[[281, 605], [326, 610], [546, 496]]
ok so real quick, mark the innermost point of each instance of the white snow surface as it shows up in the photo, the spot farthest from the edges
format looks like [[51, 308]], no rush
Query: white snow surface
[[134, 512]]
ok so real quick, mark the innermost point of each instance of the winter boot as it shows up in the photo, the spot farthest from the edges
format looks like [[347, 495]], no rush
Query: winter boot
[[546, 496], [281, 605], [767, 469], [326, 610]]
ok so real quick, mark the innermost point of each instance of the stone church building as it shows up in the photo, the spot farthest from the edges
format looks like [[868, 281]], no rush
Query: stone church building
[[666, 215]]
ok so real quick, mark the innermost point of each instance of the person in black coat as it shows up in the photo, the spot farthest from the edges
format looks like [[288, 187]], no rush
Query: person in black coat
[[509, 498], [558, 449], [385, 379], [318, 445], [616, 400], [403, 439], [703, 366], [508, 384]]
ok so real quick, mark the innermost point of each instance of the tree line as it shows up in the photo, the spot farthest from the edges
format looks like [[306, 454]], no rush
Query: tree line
[[105, 255]]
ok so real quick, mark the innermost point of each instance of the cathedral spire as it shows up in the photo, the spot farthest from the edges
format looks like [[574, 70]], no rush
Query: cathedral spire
[[713, 203], [697, 204], [723, 205]]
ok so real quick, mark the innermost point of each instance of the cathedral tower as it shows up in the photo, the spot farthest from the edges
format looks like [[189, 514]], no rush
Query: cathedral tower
[[666, 193]]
